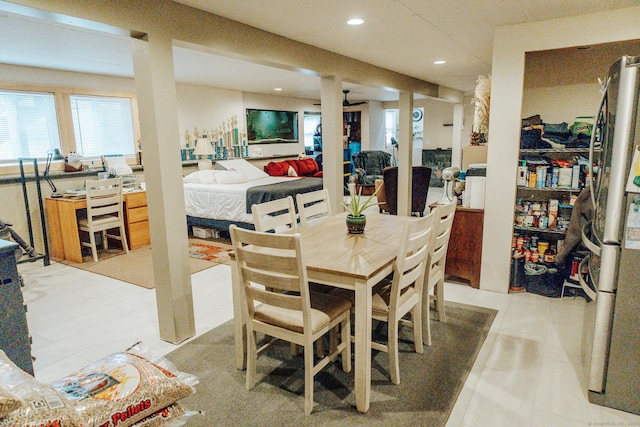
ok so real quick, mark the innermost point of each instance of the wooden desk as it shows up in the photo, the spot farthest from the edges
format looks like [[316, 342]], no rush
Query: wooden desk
[[62, 224], [350, 261], [465, 245]]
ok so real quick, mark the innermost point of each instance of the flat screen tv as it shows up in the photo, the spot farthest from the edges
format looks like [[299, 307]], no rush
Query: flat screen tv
[[272, 126]]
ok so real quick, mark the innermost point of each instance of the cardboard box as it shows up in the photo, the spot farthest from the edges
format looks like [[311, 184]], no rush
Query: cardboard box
[[553, 213], [202, 233]]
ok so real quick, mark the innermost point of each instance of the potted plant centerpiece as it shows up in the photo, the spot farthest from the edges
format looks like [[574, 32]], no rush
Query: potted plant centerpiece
[[356, 220]]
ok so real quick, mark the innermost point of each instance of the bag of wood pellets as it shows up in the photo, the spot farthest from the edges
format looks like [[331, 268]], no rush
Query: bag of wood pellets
[[24, 401], [124, 388], [172, 416]]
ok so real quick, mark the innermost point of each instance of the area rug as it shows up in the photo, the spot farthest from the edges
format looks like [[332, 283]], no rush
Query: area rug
[[430, 382], [136, 267]]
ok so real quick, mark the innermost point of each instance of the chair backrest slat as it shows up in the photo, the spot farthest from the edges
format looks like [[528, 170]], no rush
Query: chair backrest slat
[[411, 261], [444, 222], [276, 215], [269, 265], [104, 197], [312, 205]]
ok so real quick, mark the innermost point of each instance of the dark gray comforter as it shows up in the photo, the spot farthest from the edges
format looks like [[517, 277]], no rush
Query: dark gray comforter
[[265, 193]]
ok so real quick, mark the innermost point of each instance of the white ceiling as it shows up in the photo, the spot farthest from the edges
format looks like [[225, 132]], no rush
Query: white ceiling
[[405, 36]]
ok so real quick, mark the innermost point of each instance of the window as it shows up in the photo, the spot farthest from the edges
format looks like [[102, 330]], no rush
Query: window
[[390, 126], [28, 125], [312, 122], [102, 125]]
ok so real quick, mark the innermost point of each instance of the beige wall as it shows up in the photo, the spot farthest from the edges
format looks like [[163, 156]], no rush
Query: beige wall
[[510, 46]]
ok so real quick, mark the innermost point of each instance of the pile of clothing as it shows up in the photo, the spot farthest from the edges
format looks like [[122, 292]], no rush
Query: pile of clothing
[[536, 134]]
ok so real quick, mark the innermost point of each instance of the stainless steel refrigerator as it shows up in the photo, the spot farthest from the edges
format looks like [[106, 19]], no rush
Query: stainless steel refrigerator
[[611, 272]]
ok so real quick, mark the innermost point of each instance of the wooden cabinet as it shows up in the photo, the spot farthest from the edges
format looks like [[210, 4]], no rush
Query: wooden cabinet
[[465, 245], [137, 219]]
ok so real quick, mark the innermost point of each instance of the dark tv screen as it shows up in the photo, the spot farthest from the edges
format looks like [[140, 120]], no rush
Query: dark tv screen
[[272, 126]]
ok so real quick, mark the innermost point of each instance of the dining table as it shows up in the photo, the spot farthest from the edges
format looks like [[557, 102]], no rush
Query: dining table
[[337, 258]]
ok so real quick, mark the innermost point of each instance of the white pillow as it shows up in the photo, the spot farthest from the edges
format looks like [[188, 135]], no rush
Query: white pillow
[[201, 177], [250, 171], [292, 171], [231, 177]]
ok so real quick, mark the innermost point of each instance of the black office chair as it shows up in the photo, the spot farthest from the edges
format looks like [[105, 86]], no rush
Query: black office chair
[[420, 188]]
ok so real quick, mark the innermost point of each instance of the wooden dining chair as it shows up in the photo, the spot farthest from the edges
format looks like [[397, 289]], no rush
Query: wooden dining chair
[[434, 279], [104, 213], [313, 205], [402, 292], [279, 304], [276, 215]]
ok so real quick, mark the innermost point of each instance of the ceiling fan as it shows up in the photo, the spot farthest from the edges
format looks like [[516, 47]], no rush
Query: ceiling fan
[[346, 102]]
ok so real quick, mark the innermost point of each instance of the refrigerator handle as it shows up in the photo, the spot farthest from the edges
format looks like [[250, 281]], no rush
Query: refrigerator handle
[[603, 98], [587, 241], [583, 282]]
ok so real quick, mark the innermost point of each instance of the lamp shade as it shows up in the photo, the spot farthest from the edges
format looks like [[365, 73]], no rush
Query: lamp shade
[[57, 155], [203, 148]]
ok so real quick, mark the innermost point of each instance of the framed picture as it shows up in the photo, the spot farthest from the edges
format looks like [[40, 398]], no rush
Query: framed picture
[[272, 126]]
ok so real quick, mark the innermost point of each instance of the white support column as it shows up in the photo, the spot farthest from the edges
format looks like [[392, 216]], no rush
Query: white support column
[[158, 112], [405, 148], [456, 152], [332, 123]]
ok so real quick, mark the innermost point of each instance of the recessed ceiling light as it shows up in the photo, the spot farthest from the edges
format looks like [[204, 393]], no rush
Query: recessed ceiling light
[[355, 21], [439, 62], [277, 89]]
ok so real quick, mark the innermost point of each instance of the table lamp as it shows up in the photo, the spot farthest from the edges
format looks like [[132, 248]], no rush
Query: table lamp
[[204, 148], [52, 155]]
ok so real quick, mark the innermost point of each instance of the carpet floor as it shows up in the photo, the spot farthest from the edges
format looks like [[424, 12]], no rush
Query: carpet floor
[[136, 267], [430, 382]]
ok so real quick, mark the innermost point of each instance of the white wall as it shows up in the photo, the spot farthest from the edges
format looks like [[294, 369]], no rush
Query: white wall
[[376, 126], [206, 108], [552, 103], [510, 46]]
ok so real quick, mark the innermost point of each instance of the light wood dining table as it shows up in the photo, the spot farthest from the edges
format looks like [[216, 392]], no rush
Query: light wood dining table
[[350, 261]]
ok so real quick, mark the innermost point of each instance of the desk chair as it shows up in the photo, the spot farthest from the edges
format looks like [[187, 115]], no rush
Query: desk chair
[[104, 212], [277, 215], [402, 292], [313, 205], [279, 304], [434, 280], [419, 189]]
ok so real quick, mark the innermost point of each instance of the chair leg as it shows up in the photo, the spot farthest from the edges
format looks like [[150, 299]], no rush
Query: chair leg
[[105, 240], [394, 364], [94, 251], [123, 235], [308, 378], [416, 318], [439, 290], [345, 337], [320, 348], [252, 360], [427, 322]]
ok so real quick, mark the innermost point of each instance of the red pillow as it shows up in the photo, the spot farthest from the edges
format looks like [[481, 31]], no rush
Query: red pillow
[[276, 168], [307, 166], [294, 165]]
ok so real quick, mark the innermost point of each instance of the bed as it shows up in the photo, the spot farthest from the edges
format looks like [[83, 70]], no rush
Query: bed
[[218, 198]]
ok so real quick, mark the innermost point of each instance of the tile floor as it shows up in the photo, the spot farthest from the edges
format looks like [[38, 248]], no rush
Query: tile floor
[[528, 372]]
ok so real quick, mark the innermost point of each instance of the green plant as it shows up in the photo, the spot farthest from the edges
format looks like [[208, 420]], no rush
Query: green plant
[[356, 207]]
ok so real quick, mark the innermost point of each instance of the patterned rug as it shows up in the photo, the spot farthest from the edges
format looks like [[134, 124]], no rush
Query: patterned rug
[[136, 267], [214, 250]]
